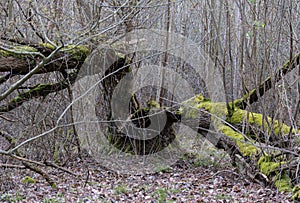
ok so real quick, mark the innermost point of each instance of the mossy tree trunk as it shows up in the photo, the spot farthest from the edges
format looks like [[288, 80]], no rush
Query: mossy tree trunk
[[265, 160], [268, 159]]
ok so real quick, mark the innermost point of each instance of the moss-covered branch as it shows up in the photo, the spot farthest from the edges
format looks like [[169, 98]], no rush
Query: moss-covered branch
[[261, 158], [41, 172], [37, 59], [40, 90], [252, 96], [22, 59]]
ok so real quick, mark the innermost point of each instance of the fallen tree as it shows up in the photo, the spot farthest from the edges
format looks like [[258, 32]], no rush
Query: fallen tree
[[241, 135], [264, 160]]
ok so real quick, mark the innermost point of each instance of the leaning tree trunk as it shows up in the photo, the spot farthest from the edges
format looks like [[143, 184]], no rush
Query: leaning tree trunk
[[266, 159]]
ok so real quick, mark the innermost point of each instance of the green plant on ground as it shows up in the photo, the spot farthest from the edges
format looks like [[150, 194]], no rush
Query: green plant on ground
[[56, 199], [28, 180], [163, 169], [11, 198], [223, 197], [162, 195], [121, 189]]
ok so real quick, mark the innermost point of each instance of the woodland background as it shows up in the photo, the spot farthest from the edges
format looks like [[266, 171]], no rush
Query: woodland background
[[248, 41]]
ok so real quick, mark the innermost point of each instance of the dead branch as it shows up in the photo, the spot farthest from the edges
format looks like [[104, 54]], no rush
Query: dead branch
[[47, 163], [252, 96], [41, 172], [12, 166]]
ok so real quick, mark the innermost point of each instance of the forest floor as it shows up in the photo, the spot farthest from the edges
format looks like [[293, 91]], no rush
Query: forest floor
[[201, 179]]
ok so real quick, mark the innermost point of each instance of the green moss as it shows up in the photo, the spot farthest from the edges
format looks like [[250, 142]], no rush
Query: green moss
[[238, 102], [205, 105], [17, 99], [267, 166], [199, 98], [296, 193], [281, 128], [4, 53], [77, 51], [252, 118], [218, 109], [74, 48], [41, 86], [28, 93], [237, 116], [53, 185], [190, 113], [121, 55], [189, 109], [245, 148], [266, 163], [283, 183], [257, 119], [230, 133], [47, 45], [17, 49], [28, 180], [25, 48], [180, 111], [153, 103]]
